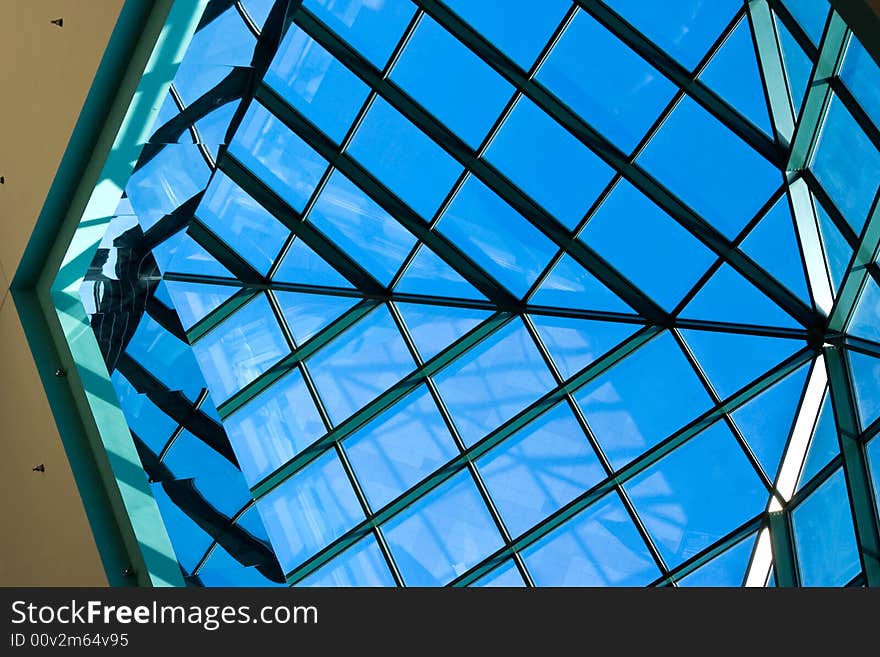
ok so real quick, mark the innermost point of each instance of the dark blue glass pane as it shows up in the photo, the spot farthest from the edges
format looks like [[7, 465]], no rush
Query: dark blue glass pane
[[165, 356], [549, 164], [862, 76], [270, 430], [492, 233], [495, 380], [598, 547], [309, 511], [654, 243], [307, 314], [575, 343], [360, 565], [726, 184], [404, 158], [539, 469], [146, 420], [697, 494], [433, 328], [372, 27], [571, 286], [727, 569], [400, 448], [443, 534], [316, 84], [621, 98], [519, 28], [506, 575], [824, 538], [451, 82], [810, 15], [222, 569], [188, 539], [226, 492]]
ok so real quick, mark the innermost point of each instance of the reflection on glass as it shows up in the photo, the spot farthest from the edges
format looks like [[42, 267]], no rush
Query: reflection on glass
[[862, 76], [360, 565], [433, 328], [505, 575]]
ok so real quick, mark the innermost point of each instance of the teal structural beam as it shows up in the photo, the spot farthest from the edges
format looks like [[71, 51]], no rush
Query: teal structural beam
[[784, 564]]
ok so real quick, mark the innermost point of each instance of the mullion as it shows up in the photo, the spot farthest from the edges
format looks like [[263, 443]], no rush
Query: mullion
[[791, 24], [213, 546], [203, 395]]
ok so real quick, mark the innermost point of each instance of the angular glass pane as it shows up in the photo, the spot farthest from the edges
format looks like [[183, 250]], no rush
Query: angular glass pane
[[873, 451], [277, 156], [242, 223], [312, 81], [400, 448], [367, 233], [810, 15], [642, 400], [270, 430], [658, 255], [824, 444], [181, 254], [307, 314], [240, 349], [451, 82], [838, 252], [226, 492], [309, 511], [506, 575], [865, 323], [302, 265], [862, 76], [188, 539], [429, 274], [519, 28], [549, 164], [443, 534], [621, 97], [726, 184], [433, 328], [496, 236], [146, 420], [797, 65], [865, 374], [727, 569], [847, 165], [372, 27], [824, 537], [495, 380], [685, 29], [360, 364], [165, 356], [360, 565], [222, 569], [404, 158], [575, 343], [697, 494], [571, 286], [539, 469], [598, 547]]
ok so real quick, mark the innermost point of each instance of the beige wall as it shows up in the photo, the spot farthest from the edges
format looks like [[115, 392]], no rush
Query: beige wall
[[45, 74]]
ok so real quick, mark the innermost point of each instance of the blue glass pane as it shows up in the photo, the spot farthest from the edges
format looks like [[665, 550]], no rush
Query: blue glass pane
[[685, 29], [304, 266], [866, 320], [726, 184], [598, 547], [363, 229], [862, 76], [519, 28], [571, 286], [549, 164], [838, 252], [810, 15], [277, 156], [539, 469], [428, 274], [258, 10], [727, 569], [728, 297], [240, 349], [168, 358], [797, 65], [309, 511], [733, 74], [766, 420], [193, 301], [575, 343], [497, 237], [146, 420], [312, 81], [188, 539], [731, 360], [697, 494], [654, 243], [242, 222], [451, 82], [865, 374], [873, 451], [400, 448], [372, 27], [360, 565], [181, 254], [270, 430], [642, 400], [213, 128], [621, 98], [221, 569], [506, 575], [360, 364], [847, 165], [226, 492], [495, 380], [433, 328], [443, 534], [306, 314], [404, 158], [824, 538], [824, 444]]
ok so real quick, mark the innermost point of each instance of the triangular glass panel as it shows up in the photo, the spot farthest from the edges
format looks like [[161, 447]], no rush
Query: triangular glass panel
[[773, 244], [181, 254], [428, 274], [838, 252], [306, 314], [728, 297], [575, 343], [766, 420], [866, 320], [571, 286], [727, 569], [797, 65], [865, 375], [303, 266], [733, 73], [194, 301], [433, 328], [731, 360], [162, 294], [824, 444]]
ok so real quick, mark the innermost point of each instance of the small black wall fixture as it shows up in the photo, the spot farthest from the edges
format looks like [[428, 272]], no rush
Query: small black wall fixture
[[59, 22]]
